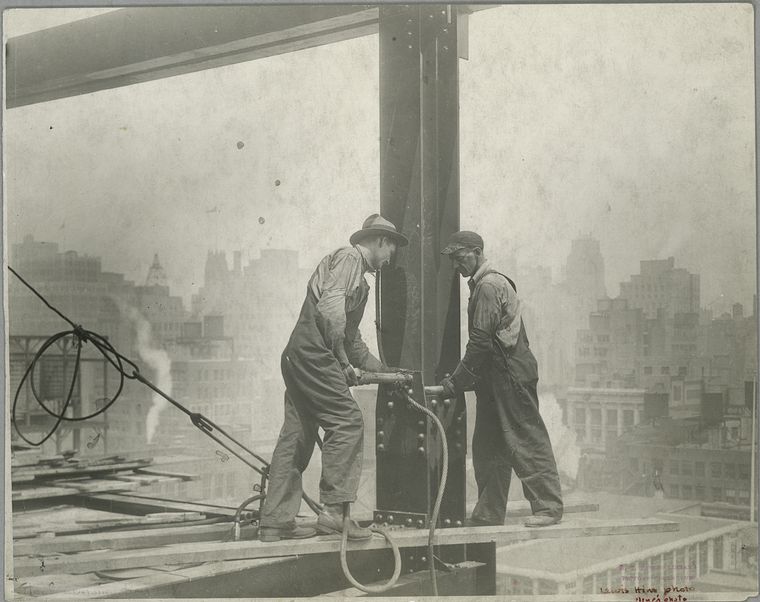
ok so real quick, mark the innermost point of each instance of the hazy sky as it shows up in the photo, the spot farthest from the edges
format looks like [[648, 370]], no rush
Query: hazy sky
[[634, 124]]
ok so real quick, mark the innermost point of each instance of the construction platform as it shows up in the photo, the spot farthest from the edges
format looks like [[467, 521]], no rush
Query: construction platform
[[83, 530], [115, 563]]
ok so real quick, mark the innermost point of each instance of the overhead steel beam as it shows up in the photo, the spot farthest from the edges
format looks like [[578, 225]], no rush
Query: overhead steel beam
[[136, 45]]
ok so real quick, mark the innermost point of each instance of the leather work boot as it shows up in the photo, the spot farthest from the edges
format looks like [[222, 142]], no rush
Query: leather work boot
[[330, 524], [270, 534], [541, 520], [476, 521]]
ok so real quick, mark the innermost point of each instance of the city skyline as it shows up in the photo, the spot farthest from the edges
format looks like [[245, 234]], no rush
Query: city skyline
[[640, 135], [138, 276]]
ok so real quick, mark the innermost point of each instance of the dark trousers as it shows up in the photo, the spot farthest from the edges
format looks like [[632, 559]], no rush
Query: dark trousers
[[510, 434], [316, 395]]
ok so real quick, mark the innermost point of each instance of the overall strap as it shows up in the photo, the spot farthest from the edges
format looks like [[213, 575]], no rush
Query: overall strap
[[502, 275]]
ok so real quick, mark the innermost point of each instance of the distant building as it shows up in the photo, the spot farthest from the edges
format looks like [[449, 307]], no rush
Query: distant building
[[137, 320], [75, 285], [156, 274], [608, 351], [661, 285], [553, 312], [600, 416], [584, 271]]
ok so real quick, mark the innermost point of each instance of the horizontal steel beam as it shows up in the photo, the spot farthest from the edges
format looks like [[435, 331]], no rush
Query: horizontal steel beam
[[140, 44], [238, 550], [458, 580]]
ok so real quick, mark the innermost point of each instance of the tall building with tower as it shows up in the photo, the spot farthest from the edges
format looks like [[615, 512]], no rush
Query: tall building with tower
[[584, 271]]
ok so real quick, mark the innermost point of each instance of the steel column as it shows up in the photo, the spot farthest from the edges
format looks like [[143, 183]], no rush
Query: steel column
[[419, 192]]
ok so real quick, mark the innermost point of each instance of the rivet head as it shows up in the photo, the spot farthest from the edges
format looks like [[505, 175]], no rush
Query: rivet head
[[379, 421], [447, 402], [390, 405], [421, 424], [410, 46], [434, 403], [390, 518], [420, 523], [381, 447], [381, 433], [423, 559], [409, 522], [446, 522], [420, 450], [458, 523], [378, 517], [410, 391], [421, 436]]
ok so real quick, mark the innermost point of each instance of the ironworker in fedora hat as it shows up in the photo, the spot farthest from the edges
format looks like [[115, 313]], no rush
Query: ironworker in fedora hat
[[318, 366], [498, 363]]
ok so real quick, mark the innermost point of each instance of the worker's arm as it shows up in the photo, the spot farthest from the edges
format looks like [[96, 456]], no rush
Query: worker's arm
[[485, 322], [360, 356], [342, 277]]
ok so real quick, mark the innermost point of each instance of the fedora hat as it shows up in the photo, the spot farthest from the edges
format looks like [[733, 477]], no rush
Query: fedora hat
[[377, 224]]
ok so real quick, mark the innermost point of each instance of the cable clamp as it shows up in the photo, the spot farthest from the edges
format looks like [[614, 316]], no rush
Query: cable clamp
[[81, 333]]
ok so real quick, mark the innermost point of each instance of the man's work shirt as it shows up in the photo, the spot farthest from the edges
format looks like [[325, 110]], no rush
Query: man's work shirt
[[341, 291], [494, 314]]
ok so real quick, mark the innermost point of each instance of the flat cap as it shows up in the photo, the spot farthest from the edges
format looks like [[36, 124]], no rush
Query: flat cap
[[463, 240]]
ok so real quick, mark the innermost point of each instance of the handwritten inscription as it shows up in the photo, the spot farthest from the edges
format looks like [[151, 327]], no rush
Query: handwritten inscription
[[672, 593]]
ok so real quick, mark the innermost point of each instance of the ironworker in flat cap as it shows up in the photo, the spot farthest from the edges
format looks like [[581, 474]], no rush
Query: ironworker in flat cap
[[318, 366], [499, 365]]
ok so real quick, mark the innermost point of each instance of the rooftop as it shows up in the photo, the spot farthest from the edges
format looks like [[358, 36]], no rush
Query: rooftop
[[554, 557]]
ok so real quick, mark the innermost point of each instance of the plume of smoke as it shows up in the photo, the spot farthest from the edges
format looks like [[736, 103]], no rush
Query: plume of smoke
[[159, 361], [566, 450]]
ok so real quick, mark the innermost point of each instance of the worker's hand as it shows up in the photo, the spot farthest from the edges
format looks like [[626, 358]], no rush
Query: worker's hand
[[385, 368], [351, 377], [449, 390]]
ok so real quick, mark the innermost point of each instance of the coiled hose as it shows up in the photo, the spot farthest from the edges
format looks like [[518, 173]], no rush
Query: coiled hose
[[376, 589]]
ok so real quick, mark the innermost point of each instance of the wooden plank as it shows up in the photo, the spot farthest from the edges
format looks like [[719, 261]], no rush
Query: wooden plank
[[124, 540], [520, 509], [131, 588], [37, 493], [238, 550], [137, 504], [87, 469], [185, 476], [88, 486], [148, 519]]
